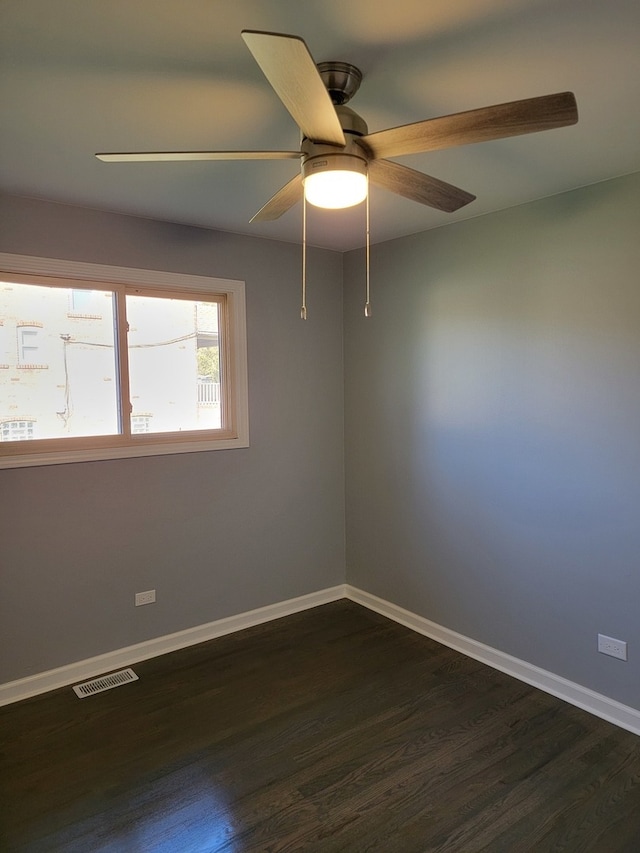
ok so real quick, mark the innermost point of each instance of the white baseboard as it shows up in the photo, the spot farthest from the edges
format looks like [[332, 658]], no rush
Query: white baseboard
[[14, 691], [595, 703]]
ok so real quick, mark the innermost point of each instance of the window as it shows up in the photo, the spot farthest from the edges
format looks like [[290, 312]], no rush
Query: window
[[140, 423], [29, 345], [146, 363], [89, 303], [16, 430]]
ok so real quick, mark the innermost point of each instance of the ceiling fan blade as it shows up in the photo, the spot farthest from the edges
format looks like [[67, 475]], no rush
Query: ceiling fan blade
[[497, 122], [288, 65], [167, 156], [418, 186], [281, 202]]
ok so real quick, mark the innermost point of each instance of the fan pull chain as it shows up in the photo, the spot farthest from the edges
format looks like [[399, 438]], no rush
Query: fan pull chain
[[367, 305], [303, 309]]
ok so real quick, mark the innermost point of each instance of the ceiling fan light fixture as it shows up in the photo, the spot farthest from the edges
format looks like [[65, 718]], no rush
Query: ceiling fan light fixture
[[335, 180]]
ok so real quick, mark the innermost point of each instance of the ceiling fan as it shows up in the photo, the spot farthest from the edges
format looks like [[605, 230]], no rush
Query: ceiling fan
[[336, 146]]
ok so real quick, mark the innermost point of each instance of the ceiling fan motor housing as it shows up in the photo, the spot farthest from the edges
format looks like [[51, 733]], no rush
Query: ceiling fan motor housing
[[317, 157], [351, 122], [333, 161], [353, 157]]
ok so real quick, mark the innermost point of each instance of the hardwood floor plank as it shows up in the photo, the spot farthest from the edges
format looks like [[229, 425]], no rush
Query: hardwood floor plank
[[329, 730]]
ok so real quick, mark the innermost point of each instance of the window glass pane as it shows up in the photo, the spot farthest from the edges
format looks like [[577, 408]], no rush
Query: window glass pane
[[140, 424], [87, 302], [16, 431], [28, 345], [64, 378], [174, 364]]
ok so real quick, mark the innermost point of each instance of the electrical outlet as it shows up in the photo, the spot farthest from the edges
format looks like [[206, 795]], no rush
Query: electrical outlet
[[613, 647], [147, 597]]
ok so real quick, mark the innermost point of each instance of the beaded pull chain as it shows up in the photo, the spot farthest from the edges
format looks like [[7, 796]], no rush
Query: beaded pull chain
[[303, 309], [367, 304]]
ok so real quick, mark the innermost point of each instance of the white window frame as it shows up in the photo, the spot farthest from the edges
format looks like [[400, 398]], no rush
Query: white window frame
[[153, 281]]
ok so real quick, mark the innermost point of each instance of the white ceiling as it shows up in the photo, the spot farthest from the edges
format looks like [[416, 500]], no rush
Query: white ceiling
[[80, 76]]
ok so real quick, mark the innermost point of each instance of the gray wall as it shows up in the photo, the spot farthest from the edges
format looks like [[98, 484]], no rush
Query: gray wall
[[493, 430], [492, 445], [215, 533]]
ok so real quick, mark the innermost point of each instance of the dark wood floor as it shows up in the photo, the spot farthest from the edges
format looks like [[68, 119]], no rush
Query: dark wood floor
[[330, 730]]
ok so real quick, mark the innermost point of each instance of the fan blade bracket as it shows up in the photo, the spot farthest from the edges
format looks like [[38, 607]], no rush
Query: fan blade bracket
[[286, 62]]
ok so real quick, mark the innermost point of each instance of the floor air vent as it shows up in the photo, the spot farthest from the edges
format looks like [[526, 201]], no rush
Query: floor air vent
[[105, 682]]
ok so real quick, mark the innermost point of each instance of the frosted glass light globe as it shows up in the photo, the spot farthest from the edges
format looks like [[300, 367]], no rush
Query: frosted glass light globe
[[335, 189]]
